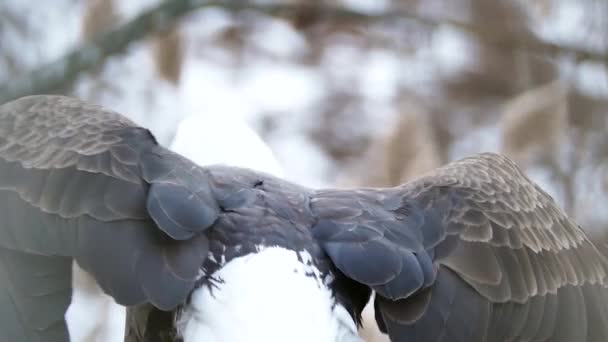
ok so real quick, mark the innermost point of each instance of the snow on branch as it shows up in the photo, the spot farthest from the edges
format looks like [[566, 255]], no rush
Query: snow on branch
[[59, 75]]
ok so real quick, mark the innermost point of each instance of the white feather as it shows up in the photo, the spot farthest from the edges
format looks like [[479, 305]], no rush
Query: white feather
[[268, 296]]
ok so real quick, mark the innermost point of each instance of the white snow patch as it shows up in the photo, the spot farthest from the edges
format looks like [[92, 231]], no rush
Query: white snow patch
[[380, 75], [366, 6], [93, 316], [305, 163], [481, 139], [215, 20], [278, 38], [217, 139], [38, 34], [340, 62], [130, 9], [451, 49], [281, 87], [564, 23], [592, 79]]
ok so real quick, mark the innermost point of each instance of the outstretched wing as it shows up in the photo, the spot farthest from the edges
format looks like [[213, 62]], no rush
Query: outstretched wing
[[473, 251], [78, 181]]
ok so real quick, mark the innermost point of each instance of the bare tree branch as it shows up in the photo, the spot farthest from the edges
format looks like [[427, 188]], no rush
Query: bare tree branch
[[58, 75]]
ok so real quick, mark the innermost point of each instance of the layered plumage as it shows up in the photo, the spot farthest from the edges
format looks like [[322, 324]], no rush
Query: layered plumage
[[473, 251], [205, 140]]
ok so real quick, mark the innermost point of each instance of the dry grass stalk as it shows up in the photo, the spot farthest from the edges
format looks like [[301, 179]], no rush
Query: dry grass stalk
[[534, 123], [407, 151], [411, 149], [99, 16], [168, 54]]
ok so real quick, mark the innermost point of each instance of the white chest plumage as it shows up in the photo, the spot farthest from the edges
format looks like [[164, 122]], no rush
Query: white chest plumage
[[269, 296]]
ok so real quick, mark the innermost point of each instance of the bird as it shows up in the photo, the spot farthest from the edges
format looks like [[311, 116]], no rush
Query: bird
[[470, 251], [93, 315]]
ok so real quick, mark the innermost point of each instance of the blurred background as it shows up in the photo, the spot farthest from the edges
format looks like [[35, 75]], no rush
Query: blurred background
[[345, 92]]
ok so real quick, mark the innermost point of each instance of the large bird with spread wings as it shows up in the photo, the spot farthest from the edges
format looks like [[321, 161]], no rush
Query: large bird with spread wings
[[473, 251]]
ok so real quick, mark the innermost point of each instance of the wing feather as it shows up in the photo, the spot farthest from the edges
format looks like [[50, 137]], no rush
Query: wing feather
[[77, 180], [508, 263], [32, 304]]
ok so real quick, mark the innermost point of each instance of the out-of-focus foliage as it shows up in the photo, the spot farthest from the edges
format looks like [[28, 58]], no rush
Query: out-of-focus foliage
[[408, 149], [358, 92], [534, 124]]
